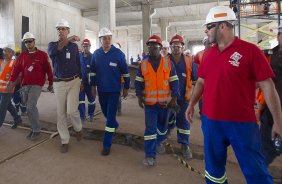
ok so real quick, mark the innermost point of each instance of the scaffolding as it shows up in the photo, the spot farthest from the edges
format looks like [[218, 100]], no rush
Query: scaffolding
[[265, 12]]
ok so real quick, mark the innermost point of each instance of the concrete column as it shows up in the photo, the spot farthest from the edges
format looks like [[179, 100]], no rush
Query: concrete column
[[164, 24], [107, 14], [147, 13]]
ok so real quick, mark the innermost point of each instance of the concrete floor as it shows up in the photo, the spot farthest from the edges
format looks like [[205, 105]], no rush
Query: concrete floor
[[23, 161]]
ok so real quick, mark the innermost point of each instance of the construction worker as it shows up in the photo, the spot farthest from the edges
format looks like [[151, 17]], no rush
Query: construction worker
[[156, 87], [108, 65], [165, 49], [265, 117], [228, 76], [67, 84], [184, 70], [85, 59], [6, 66], [33, 66]]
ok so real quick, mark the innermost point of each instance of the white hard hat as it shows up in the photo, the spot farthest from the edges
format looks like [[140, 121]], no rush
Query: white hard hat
[[205, 40], [165, 44], [188, 51], [220, 13], [10, 47], [63, 23], [104, 32], [28, 35]]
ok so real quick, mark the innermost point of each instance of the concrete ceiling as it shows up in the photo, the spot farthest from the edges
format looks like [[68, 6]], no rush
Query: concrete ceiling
[[184, 16]]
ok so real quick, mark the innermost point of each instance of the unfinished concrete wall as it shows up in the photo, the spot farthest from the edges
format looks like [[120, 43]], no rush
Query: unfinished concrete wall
[[43, 16]]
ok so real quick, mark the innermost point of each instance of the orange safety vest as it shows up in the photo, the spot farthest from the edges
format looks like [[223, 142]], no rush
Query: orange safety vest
[[6, 75], [200, 55], [157, 88], [188, 64]]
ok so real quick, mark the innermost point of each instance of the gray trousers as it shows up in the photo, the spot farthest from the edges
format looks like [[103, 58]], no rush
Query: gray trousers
[[30, 95]]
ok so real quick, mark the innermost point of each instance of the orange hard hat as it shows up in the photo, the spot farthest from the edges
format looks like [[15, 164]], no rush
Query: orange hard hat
[[86, 42], [177, 38], [154, 39]]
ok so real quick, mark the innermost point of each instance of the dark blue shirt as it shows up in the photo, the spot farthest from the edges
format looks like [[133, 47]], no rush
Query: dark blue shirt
[[85, 67], [64, 65], [139, 85], [108, 68]]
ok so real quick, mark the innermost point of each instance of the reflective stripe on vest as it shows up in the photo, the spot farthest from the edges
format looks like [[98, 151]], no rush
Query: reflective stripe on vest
[[157, 88], [188, 90]]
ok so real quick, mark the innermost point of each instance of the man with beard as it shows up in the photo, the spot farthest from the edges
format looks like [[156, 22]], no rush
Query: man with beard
[[156, 87], [228, 76]]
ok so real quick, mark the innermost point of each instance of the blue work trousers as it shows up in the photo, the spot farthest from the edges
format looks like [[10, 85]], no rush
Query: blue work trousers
[[246, 143], [5, 104], [91, 102], [179, 120], [109, 103], [156, 128]]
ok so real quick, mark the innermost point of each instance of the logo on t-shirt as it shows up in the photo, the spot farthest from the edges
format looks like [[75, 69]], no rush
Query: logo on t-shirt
[[235, 56]]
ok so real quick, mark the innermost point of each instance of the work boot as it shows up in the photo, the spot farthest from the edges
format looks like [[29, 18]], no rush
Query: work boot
[[161, 149], [91, 119], [64, 148], [106, 151], [33, 136], [16, 123], [79, 135], [83, 119], [168, 133], [23, 114], [186, 152], [149, 161], [29, 135]]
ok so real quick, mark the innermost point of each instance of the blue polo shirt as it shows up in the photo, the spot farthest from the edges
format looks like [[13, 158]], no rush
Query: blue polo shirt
[[108, 68], [66, 62]]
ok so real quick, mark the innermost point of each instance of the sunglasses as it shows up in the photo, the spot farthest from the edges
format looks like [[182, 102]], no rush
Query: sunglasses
[[210, 26], [28, 41], [61, 29], [154, 46]]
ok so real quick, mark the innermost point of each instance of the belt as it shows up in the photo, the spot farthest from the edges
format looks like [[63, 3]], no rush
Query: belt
[[65, 79]]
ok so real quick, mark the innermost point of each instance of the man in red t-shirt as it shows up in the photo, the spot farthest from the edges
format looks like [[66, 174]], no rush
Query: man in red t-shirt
[[229, 73]]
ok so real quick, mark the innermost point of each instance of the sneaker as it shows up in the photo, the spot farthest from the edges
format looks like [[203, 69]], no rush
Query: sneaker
[[23, 114], [16, 123], [105, 151], [34, 136], [161, 149], [149, 161], [186, 152], [64, 148], [79, 135]]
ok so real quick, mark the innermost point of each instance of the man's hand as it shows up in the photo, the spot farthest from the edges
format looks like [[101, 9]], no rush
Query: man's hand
[[93, 91], [81, 86], [141, 101], [189, 113], [50, 88], [125, 93], [173, 103], [276, 130], [73, 38], [10, 86]]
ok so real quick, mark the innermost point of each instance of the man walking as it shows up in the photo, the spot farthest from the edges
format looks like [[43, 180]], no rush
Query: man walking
[[229, 73], [66, 70], [33, 65], [109, 65]]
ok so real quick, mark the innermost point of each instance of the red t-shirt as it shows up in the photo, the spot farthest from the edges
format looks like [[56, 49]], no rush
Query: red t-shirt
[[230, 80]]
